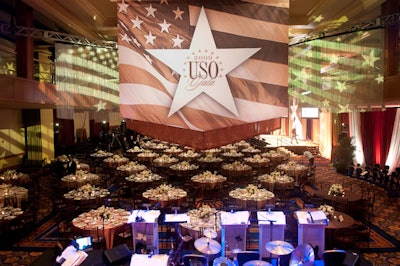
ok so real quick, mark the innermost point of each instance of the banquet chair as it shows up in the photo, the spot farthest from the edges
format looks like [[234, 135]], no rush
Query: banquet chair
[[194, 260], [245, 256], [334, 257]]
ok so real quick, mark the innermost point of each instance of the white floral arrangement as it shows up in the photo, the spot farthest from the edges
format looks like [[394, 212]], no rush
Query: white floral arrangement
[[251, 189], [236, 166], [204, 212], [86, 188], [251, 149], [184, 166], [166, 159], [164, 188], [104, 212], [336, 190], [80, 173], [327, 209]]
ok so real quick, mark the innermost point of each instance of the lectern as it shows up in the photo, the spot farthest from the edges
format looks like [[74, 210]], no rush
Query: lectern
[[234, 228], [311, 227], [145, 228], [271, 226]]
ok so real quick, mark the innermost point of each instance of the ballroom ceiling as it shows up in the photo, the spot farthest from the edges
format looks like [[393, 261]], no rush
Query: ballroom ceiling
[[97, 19]]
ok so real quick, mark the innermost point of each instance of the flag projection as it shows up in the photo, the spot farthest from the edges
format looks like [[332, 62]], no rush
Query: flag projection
[[340, 73], [86, 78], [217, 67]]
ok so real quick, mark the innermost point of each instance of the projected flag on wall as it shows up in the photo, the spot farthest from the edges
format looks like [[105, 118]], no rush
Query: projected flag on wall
[[206, 67]]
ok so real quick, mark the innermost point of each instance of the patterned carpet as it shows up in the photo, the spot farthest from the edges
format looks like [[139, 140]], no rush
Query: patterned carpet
[[384, 246]]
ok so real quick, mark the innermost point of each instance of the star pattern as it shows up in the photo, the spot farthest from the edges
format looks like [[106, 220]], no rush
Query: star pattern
[[150, 38], [326, 103], [137, 22], [318, 18], [178, 13], [150, 11], [125, 38], [123, 7], [203, 50], [379, 79], [341, 86], [164, 26], [100, 106], [344, 108], [369, 60], [334, 59], [177, 41]]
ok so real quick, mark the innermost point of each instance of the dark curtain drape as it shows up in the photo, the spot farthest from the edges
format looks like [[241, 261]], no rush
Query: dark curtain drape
[[66, 136], [376, 131]]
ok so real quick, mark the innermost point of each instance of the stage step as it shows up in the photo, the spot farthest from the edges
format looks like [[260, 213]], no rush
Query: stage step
[[314, 150]]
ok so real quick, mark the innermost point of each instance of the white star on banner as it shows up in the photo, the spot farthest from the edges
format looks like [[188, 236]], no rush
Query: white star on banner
[[341, 86], [178, 13], [136, 22], [203, 68], [150, 38], [125, 38], [100, 106], [344, 108], [370, 59], [379, 79], [164, 26], [123, 7], [325, 103], [177, 41], [150, 11]]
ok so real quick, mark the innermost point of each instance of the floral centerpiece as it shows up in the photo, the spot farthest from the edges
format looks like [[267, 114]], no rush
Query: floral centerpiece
[[184, 165], [10, 174], [104, 212], [336, 190], [251, 189], [204, 212], [164, 188], [327, 209], [86, 188], [143, 176]]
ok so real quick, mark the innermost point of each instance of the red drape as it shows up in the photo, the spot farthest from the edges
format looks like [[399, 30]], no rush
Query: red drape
[[376, 130]]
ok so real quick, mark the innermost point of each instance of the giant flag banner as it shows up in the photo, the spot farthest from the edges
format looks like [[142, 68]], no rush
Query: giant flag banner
[[203, 68]]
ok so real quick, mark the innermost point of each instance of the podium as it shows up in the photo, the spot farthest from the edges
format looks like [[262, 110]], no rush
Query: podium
[[145, 228], [311, 227], [234, 230], [265, 218]]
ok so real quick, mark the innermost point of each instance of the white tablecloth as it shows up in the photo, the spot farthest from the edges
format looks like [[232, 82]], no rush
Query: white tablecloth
[[144, 259]]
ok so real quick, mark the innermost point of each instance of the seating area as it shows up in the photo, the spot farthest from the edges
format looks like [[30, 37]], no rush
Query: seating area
[[358, 209]]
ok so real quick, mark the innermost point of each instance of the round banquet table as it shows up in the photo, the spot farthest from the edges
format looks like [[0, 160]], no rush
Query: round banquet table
[[14, 178], [208, 181], [165, 198], [92, 222], [130, 168], [258, 200], [195, 226], [276, 182], [351, 198], [335, 223], [7, 191], [80, 194], [79, 179]]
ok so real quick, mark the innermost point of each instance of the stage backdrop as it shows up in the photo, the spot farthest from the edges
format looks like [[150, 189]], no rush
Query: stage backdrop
[[203, 73]]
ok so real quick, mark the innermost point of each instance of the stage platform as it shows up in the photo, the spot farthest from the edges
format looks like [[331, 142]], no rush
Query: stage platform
[[275, 141]]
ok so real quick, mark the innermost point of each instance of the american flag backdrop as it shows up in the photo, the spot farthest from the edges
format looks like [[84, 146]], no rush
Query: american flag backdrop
[[258, 85]]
